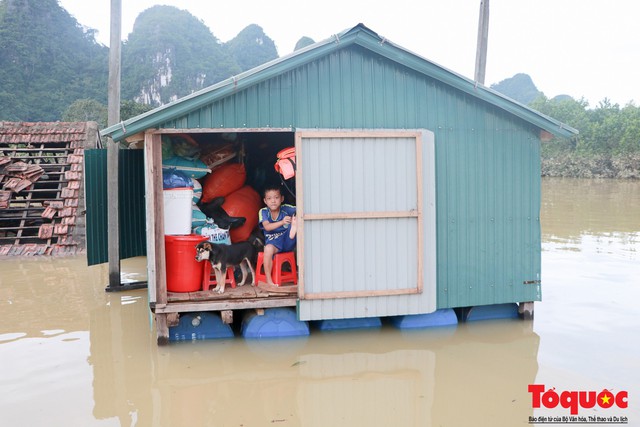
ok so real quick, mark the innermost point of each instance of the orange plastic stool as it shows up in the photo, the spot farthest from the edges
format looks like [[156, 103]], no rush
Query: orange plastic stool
[[279, 277], [209, 280]]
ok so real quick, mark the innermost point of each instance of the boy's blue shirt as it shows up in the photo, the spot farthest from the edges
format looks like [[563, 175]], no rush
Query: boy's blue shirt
[[265, 215]]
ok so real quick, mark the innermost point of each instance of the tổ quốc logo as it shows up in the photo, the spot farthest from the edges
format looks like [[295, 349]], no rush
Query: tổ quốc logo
[[576, 400]]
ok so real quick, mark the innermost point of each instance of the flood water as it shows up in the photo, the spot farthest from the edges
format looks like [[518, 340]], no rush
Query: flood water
[[73, 355]]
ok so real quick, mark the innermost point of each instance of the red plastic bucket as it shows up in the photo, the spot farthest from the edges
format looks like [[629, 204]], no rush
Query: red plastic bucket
[[184, 273]]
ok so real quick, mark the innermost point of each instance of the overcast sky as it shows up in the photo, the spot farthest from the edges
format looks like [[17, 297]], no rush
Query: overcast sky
[[582, 48]]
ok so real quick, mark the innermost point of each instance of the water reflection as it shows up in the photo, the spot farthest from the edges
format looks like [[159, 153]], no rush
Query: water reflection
[[588, 317], [119, 354], [374, 378], [46, 334], [574, 207]]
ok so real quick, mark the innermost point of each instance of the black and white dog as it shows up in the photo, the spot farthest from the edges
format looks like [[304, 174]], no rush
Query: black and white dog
[[222, 256]]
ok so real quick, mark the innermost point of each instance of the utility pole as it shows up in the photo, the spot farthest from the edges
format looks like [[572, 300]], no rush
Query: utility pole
[[113, 118], [483, 40]]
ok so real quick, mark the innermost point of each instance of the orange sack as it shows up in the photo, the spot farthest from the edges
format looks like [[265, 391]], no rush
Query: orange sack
[[223, 181], [246, 203]]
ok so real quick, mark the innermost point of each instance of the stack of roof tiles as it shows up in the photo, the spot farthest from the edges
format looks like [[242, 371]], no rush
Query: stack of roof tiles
[[40, 185]]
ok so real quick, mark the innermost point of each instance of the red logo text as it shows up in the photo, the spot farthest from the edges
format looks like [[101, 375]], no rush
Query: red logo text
[[574, 400]]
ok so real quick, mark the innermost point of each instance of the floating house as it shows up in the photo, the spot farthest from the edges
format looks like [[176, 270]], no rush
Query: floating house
[[417, 189]]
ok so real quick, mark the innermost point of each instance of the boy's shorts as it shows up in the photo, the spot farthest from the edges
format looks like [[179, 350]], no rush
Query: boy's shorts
[[283, 242]]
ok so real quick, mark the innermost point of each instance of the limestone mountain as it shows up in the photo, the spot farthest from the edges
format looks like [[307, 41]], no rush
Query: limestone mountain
[[50, 63], [303, 42], [519, 87], [169, 54], [252, 47]]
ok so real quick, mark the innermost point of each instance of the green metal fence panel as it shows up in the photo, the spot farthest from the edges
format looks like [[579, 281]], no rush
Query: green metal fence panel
[[96, 204], [131, 205], [133, 226]]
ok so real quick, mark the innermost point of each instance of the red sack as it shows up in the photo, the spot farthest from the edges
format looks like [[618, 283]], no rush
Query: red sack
[[223, 181], [246, 203]]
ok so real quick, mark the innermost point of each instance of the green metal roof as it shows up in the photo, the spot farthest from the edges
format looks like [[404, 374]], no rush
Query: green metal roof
[[359, 35]]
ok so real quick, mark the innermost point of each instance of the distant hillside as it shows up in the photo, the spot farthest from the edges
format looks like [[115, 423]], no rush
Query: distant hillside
[[49, 61], [252, 47], [169, 54], [303, 42], [519, 87]]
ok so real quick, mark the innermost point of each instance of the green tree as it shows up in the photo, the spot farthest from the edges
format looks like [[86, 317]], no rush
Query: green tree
[[129, 109], [47, 60], [630, 136], [608, 144], [86, 110], [568, 111], [604, 133]]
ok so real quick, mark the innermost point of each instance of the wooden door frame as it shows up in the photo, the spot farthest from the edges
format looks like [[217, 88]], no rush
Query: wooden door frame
[[156, 261]]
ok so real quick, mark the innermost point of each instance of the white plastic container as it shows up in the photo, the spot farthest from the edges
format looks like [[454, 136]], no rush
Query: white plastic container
[[177, 211]]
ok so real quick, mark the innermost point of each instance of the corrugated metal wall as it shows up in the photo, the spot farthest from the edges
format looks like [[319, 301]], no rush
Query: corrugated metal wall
[[133, 241], [487, 161], [488, 216]]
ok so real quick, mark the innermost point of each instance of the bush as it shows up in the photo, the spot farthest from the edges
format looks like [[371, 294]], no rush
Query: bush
[[573, 165]]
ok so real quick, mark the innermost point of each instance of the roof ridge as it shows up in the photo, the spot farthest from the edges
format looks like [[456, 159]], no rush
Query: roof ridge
[[360, 35]]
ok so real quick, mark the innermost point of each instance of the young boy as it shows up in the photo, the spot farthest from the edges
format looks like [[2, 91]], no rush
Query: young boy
[[278, 221]]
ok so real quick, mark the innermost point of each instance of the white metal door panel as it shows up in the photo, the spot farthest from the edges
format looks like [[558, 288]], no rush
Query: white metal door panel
[[361, 213]]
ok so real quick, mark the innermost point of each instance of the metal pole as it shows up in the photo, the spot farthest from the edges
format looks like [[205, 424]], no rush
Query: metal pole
[[113, 147], [483, 41]]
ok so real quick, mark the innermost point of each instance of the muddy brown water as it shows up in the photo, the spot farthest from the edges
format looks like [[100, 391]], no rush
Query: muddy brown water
[[73, 355]]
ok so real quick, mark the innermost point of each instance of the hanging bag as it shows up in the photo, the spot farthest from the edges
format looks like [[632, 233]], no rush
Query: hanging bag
[[286, 166], [286, 163]]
